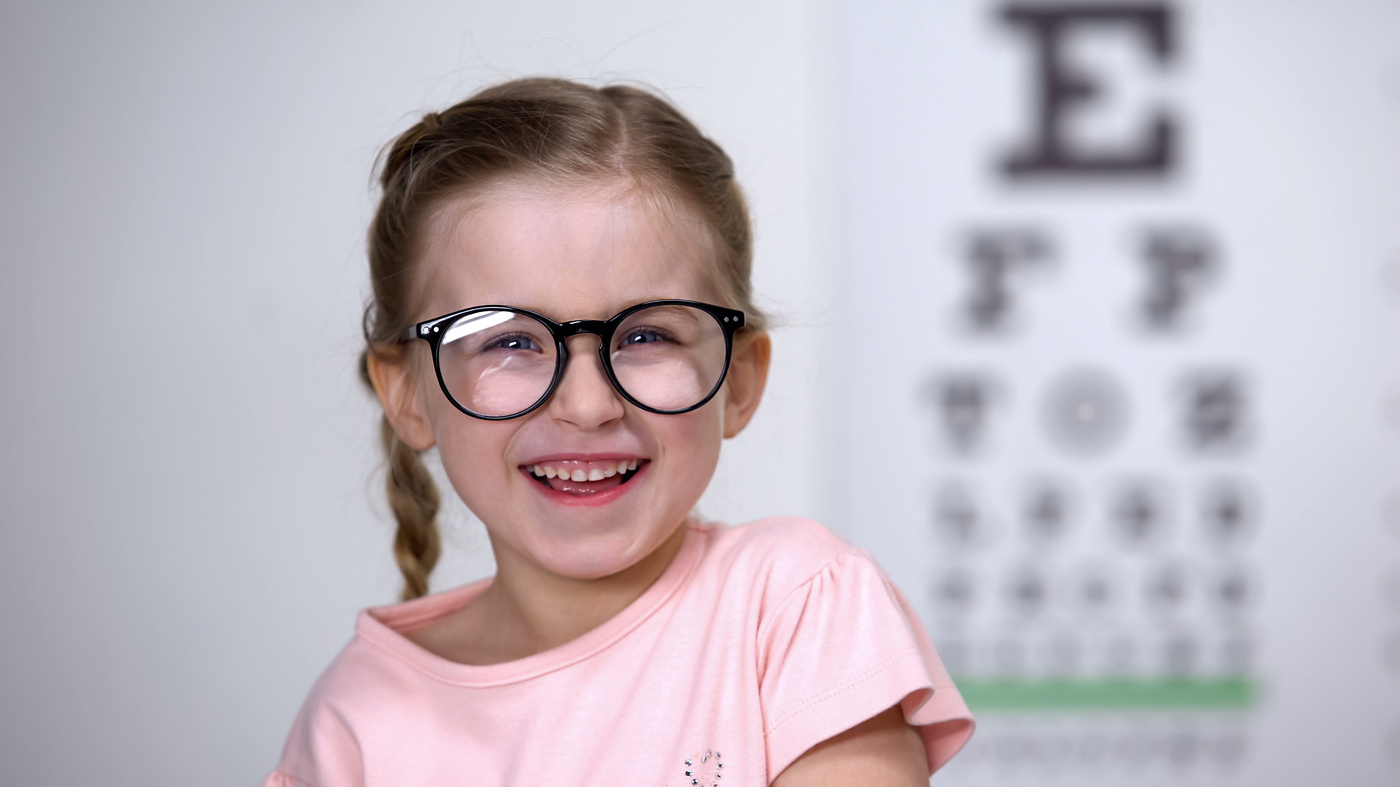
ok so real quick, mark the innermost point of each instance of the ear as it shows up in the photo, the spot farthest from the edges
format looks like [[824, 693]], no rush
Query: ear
[[398, 391], [748, 374]]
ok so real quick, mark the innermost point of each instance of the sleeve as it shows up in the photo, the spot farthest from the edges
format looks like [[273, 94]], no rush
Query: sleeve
[[842, 648], [321, 751]]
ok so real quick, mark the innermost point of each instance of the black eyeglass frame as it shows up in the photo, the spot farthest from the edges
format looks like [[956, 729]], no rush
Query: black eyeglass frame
[[729, 321]]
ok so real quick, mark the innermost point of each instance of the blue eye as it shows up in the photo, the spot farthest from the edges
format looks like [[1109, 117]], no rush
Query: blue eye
[[512, 342], [641, 336]]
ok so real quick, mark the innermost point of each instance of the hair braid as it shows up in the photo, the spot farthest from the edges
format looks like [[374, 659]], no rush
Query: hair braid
[[413, 497]]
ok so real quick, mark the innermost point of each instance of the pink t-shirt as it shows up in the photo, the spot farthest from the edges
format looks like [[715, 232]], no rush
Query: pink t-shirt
[[757, 643]]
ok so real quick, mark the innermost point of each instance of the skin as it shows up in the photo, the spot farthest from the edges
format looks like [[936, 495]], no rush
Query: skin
[[563, 570], [883, 750]]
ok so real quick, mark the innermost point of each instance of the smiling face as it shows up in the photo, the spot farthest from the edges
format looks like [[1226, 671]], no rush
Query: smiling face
[[585, 252]]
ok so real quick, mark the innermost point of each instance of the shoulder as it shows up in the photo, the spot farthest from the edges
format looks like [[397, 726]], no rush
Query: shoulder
[[836, 644], [785, 544], [777, 557], [781, 542], [794, 534], [363, 685]]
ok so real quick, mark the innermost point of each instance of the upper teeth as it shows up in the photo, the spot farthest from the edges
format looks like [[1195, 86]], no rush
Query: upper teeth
[[592, 474]]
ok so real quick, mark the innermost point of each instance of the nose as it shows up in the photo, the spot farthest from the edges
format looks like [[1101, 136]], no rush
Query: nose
[[585, 397]]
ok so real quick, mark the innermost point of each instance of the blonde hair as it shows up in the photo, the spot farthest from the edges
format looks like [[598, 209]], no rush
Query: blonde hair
[[551, 130]]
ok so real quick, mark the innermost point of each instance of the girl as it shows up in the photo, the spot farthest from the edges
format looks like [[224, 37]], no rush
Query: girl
[[562, 308]]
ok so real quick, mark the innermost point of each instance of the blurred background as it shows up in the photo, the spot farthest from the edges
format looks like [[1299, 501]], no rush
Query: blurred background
[[1087, 329]]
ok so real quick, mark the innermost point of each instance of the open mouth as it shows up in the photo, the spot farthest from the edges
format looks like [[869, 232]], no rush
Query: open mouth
[[579, 477]]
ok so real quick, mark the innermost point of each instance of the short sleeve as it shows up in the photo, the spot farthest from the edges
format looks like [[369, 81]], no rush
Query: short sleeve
[[321, 750], [842, 648]]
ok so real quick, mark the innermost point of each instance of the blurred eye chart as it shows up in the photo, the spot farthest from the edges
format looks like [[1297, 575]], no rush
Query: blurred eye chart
[[1120, 353]]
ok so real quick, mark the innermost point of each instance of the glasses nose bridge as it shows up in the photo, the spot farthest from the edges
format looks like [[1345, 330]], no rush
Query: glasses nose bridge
[[599, 328], [600, 375], [573, 328]]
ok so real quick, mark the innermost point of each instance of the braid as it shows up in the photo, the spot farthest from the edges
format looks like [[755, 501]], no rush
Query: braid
[[413, 497]]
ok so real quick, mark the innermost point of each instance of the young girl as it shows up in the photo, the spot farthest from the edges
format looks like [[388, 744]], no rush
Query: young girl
[[562, 307]]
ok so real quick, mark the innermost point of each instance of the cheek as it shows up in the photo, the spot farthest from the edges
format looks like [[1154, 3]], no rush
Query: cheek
[[695, 445], [471, 452]]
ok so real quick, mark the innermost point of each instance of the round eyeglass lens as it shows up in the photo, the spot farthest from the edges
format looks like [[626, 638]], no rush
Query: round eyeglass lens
[[669, 357], [496, 362]]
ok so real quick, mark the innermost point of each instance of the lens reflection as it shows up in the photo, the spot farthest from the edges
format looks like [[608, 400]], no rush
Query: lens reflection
[[497, 363]]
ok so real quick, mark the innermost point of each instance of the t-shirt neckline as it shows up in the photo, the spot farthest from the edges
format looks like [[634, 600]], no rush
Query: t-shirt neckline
[[381, 626]]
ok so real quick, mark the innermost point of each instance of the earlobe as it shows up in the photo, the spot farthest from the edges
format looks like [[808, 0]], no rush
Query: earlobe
[[403, 404], [748, 374]]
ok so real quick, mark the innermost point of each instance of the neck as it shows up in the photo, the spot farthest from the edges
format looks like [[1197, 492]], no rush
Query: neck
[[533, 610]]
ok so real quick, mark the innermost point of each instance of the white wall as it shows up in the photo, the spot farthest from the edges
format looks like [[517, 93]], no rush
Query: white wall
[[191, 508]]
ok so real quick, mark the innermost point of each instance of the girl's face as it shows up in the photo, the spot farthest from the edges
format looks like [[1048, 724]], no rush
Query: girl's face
[[570, 254]]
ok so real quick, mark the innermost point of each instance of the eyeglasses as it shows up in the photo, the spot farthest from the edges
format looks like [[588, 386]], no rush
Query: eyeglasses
[[500, 362]]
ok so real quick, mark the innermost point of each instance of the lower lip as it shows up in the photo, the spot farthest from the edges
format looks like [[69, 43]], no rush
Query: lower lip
[[596, 499]]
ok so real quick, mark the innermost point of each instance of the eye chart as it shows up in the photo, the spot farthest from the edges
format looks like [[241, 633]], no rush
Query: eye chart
[[1121, 364]]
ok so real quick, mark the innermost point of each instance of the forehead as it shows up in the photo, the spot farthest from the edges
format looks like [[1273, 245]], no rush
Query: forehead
[[582, 251]]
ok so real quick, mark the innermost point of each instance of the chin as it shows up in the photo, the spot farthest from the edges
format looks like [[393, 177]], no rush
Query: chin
[[597, 556]]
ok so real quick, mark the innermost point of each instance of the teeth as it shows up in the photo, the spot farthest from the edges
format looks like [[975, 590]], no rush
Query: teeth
[[594, 474]]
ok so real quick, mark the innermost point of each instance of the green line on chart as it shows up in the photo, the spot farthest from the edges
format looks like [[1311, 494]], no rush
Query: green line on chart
[[1109, 694]]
